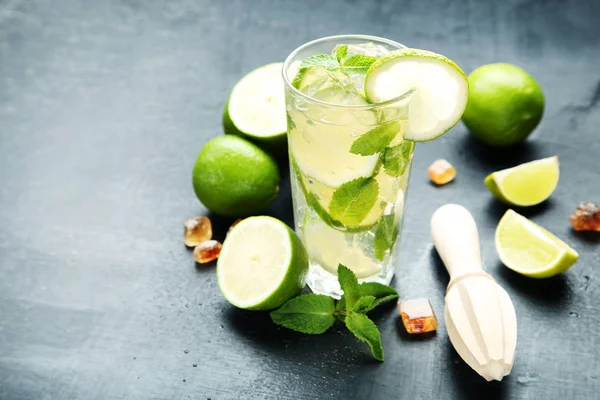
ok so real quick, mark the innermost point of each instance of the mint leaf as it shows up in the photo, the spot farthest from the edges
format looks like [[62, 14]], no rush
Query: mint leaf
[[366, 331], [376, 140], [307, 313], [364, 304], [352, 201], [396, 159], [385, 235], [357, 64], [377, 290], [341, 52], [323, 60], [382, 293], [349, 285]]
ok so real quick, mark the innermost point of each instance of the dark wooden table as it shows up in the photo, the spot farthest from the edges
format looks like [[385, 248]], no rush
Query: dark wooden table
[[103, 108]]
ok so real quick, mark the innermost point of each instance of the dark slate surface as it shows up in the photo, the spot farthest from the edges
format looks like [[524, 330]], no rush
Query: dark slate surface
[[103, 108]]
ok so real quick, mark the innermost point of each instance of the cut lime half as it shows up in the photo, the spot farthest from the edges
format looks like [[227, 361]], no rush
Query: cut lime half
[[256, 107], [262, 264], [526, 184], [439, 89], [529, 249]]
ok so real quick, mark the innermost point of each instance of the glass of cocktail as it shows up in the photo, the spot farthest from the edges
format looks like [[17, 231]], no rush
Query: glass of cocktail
[[352, 128]]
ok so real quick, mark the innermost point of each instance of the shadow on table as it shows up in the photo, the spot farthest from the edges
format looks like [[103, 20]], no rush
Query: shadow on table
[[496, 209], [282, 208], [440, 273], [591, 237], [469, 384], [488, 158], [554, 293], [258, 327]]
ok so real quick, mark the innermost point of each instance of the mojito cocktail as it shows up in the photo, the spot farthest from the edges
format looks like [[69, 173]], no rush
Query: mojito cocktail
[[351, 138]]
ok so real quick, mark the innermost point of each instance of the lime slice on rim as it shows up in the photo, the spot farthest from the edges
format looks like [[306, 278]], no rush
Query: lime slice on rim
[[256, 108], [529, 249], [526, 184], [440, 89], [262, 264]]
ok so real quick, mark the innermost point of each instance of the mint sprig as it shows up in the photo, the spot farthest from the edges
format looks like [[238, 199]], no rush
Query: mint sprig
[[316, 313]]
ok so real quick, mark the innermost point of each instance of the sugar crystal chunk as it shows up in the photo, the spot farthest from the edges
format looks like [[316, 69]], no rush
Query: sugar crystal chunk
[[196, 230], [207, 251], [441, 172], [417, 315], [586, 217]]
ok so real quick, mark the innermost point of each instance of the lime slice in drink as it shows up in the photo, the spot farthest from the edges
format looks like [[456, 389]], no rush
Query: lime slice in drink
[[256, 108], [526, 184], [318, 197], [330, 247], [439, 89], [320, 138], [262, 264], [531, 250]]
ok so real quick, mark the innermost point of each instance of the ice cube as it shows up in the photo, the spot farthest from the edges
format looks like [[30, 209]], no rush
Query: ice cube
[[367, 49]]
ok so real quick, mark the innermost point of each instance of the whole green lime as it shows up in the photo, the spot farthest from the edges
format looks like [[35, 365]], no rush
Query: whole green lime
[[505, 104], [234, 178]]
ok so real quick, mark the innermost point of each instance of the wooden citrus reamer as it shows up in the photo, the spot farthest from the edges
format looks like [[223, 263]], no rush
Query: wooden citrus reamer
[[480, 317]]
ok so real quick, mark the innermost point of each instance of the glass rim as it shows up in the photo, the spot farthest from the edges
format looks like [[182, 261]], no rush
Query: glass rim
[[293, 54]]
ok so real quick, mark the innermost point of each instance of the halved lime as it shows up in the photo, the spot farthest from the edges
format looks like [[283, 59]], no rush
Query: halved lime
[[256, 108], [440, 89], [526, 184], [531, 250], [262, 264]]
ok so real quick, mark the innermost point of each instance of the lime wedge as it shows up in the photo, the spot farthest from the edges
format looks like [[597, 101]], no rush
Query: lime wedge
[[529, 249], [262, 264], [256, 108], [439, 89], [526, 184]]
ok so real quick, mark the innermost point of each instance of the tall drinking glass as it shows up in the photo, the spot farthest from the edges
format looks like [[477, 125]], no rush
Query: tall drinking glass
[[349, 180]]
